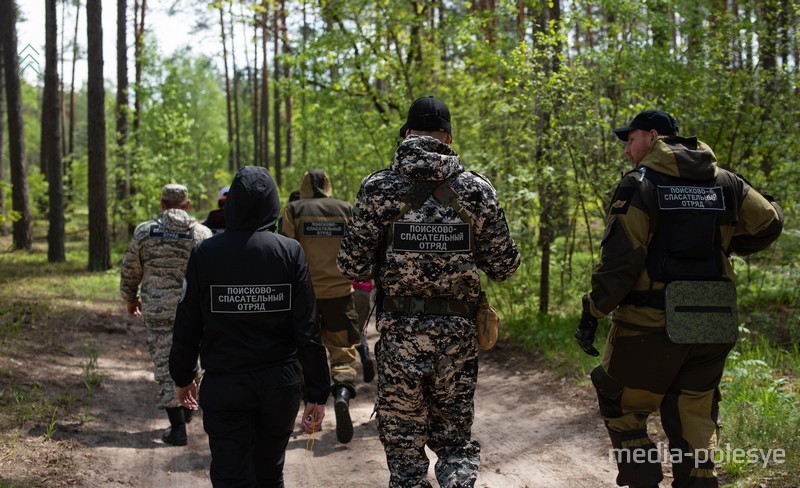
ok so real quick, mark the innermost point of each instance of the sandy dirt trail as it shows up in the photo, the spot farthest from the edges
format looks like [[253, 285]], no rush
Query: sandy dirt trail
[[535, 431]]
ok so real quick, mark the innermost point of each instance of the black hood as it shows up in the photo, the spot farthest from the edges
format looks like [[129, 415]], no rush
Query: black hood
[[253, 200]]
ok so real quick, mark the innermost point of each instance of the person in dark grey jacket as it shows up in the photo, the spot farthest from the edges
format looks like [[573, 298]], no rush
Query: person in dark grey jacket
[[248, 310]]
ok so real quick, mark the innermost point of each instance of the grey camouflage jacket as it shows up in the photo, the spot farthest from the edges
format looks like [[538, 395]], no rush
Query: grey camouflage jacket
[[156, 258], [366, 251]]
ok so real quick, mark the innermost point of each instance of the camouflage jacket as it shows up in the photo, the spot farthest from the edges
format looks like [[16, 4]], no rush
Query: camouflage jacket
[[156, 258], [632, 224], [367, 252]]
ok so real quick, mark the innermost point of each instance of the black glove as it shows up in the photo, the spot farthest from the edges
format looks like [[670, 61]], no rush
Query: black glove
[[584, 334]]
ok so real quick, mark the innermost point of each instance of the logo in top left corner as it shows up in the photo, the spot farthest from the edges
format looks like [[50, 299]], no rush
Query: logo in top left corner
[[29, 59]]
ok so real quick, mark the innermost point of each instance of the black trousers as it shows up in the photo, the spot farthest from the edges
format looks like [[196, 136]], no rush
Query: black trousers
[[248, 418]]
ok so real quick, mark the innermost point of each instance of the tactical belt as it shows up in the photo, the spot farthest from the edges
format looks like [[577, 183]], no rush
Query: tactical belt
[[437, 306]]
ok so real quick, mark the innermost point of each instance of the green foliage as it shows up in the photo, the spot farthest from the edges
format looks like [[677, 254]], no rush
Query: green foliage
[[759, 410], [182, 136], [767, 290]]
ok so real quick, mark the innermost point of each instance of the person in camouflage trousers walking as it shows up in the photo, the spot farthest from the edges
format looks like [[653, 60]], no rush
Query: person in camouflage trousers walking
[[422, 229], [156, 259]]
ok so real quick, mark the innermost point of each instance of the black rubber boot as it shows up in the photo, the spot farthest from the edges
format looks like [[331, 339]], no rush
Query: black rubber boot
[[366, 362], [176, 432], [341, 405]]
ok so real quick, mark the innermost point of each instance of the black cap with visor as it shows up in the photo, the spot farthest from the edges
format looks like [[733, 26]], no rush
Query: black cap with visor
[[427, 114], [663, 123]]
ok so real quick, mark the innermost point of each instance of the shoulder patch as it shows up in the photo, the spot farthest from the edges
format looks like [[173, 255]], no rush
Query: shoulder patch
[[621, 201]]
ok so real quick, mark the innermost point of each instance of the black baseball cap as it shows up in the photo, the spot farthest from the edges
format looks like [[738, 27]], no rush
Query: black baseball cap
[[427, 114], [664, 123]]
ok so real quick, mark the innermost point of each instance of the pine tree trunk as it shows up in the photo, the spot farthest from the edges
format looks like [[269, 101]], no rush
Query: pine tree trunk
[[304, 132], [71, 144], [51, 138], [231, 160], [99, 248], [3, 214], [61, 103], [22, 234], [256, 142], [288, 94], [139, 11], [276, 106], [123, 183], [264, 86], [236, 132]]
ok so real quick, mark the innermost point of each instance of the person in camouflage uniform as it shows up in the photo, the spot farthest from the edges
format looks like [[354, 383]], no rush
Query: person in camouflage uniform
[[422, 229], [672, 224], [156, 258]]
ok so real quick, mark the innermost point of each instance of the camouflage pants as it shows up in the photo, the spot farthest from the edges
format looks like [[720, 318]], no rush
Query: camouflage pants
[[339, 331], [644, 372], [159, 342], [426, 387]]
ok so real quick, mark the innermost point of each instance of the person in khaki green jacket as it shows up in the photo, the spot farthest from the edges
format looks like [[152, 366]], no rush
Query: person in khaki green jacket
[[665, 278], [318, 222], [156, 258]]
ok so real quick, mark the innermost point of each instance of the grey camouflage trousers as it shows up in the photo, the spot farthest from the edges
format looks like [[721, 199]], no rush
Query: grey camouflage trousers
[[159, 342], [426, 387]]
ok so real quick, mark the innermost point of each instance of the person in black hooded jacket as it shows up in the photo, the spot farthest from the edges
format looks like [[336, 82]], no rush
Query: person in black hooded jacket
[[248, 310]]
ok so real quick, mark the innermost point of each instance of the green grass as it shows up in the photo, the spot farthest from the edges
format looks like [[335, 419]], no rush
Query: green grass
[[41, 306], [760, 403]]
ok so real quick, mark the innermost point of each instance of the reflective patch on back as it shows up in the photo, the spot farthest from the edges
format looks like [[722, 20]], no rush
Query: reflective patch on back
[[160, 232], [430, 237], [322, 229], [251, 298], [690, 198]]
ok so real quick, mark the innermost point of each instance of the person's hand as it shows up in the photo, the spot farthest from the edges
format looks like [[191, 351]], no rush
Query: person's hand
[[312, 417], [135, 308], [187, 395], [585, 332]]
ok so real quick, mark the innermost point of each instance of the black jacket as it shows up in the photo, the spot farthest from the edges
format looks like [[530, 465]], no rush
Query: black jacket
[[248, 302]]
